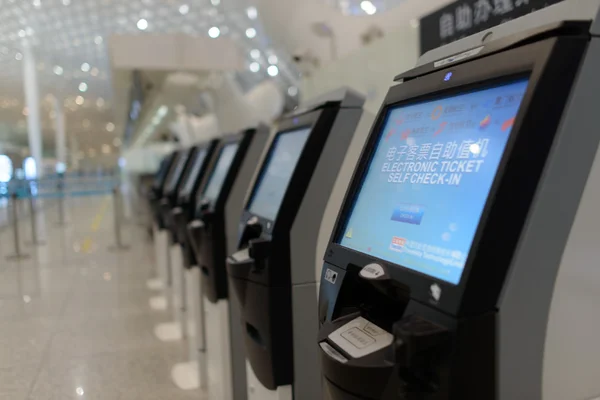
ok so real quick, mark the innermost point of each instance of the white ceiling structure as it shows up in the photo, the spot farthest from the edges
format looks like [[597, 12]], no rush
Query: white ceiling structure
[[69, 40]]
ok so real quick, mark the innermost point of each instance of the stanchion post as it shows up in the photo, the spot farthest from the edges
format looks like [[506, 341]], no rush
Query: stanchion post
[[35, 241], [118, 246], [61, 202], [18, 255]]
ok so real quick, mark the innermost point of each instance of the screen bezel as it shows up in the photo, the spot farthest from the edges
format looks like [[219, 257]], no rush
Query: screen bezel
[[265, 163], [172, 180], [495, 83], [478, 289], [190, 171], [213, 169]]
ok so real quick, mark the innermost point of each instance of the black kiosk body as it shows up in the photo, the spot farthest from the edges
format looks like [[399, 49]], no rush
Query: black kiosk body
[[156, 191], [440, 272], [177, 206], [272, 273], [219, 206]]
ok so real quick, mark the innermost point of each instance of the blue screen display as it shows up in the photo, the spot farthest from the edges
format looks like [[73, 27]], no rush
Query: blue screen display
[[277, 172], [216, 180], [429, 178], [194, 172]]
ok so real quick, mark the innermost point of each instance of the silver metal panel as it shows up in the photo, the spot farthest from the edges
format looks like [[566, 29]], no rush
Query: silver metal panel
[[233, 212], [525, 302]]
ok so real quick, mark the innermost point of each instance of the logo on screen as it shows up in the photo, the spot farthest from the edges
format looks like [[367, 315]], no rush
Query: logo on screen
[[397, 244], [437, 112], [484, 123]]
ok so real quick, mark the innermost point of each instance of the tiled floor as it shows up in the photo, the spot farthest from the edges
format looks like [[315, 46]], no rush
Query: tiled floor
[[74, 317]]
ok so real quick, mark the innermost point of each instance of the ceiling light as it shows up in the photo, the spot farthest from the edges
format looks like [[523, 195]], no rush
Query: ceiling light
[[368, 7], [117, 142], [162, 111], [18, 56], [98, 39], [142, 24], [83, 87], [79, 100], [66, 2], [79, 391], [251, 33], [273, 70], [106, 149], [58, 70], [184, 9], [110, 127], [254, 67], [252, 12], [22, 33], [255, 53], [214, 32], [273, 59], [293, 91], [215, 2], [94, 71], [85, 67], [414, 23], [29, 31], [99, 102], [37, 3]]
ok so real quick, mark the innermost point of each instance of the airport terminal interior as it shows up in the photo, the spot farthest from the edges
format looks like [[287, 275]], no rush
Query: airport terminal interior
[[299, 200]]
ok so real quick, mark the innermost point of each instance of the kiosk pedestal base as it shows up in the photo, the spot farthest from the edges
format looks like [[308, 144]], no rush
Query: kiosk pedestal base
[[175, 330], [168, 332], [256, 391], [186, 376], [154, 284], [161, 246], [159, 303], [178, 288], [218, 350]]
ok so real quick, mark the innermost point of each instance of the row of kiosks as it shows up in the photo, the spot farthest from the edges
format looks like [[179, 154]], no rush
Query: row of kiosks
[[463, 261], [240, 207]]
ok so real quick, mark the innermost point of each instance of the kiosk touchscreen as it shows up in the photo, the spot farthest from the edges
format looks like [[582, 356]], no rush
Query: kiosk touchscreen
[[273, 281], [439, 277], [217, 216]]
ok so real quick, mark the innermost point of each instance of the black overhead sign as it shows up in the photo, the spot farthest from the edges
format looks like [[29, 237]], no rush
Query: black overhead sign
[[466, 17]]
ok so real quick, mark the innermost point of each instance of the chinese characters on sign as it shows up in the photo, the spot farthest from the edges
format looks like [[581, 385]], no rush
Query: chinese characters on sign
[[466, 17], [435, 163]]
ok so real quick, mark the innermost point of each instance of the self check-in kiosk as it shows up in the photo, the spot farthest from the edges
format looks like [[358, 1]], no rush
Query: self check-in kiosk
[[463, 262], [218, 210], [186, 178], [158, 227], [272, 273]]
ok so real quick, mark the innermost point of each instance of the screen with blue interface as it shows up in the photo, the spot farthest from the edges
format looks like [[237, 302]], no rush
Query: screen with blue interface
[[216, 180], [194, 172], [277, 172], [176, 173], [429, 178]]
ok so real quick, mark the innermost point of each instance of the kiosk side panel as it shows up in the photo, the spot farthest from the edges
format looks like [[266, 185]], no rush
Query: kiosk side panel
[[527, 298]]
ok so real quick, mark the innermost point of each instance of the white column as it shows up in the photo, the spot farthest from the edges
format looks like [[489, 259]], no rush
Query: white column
[[32, 102], [74, 152], [59, 127]]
